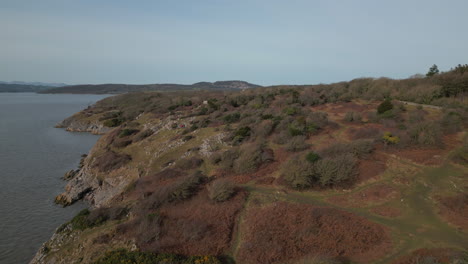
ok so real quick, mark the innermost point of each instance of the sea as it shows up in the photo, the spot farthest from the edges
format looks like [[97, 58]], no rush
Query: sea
[[34, 155]]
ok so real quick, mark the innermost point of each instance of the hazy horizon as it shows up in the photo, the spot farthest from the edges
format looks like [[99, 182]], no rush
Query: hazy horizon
[[262, 42]]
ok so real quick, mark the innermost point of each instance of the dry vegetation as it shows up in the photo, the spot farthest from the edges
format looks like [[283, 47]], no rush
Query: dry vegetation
[[340, 170]]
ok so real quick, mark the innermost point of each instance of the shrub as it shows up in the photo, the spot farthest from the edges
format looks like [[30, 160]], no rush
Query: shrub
[[249, 159], [297, 173], [297, 143], [221, 190], [452, 122], [264, 129], [290, 111], [385, 106], [142, 135], [187, 138], [110, 161], [232, 118], [332, 171], [352, 117], [358, 148], [460, 154], [127, 132], [426, 133], [388, 138], [416, 116], [121, 143], [281, 138], [312, 157], [189, 163], [228, 157], [241, 133], [113, 122], [187, 187], [88, 219]]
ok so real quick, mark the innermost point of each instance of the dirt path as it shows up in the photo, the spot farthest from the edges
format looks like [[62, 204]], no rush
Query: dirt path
[[423, 105]]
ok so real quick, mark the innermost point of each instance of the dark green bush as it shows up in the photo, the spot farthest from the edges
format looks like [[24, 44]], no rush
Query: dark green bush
[[312, 157], [241, 133], [127, 132], [385, 106], [88, 219], [113, 122], [232, 118]]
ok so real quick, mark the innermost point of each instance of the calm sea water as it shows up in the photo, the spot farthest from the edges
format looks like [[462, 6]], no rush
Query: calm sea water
[[33, 157]]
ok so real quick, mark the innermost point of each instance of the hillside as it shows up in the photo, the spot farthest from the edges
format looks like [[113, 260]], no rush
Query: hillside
[[366, 171], [124, 88]]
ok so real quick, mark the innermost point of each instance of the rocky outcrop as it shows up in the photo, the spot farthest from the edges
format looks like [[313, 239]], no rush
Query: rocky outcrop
[[76, 124]]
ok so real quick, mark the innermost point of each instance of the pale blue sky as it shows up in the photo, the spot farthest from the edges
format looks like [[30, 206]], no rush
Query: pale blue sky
[[260, 41]]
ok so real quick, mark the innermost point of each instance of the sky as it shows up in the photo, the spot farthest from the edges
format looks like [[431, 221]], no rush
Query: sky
[[260, 41]]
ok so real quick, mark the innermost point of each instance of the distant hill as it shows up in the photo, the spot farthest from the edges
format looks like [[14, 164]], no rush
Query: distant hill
[[21, 88], [124, 88], [36, 83], [26, 87]]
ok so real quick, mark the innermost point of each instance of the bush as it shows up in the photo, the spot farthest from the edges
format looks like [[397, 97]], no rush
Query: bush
[[297, 173], [88, 219], [142, 135], [385, 106], [426, 133], [221, 190], [460, 155], [113, 122], [264, 129], [416, 116], [187, 187], [232, 118], [332, 171], [452, 122], [312, 157], [240, 134], [121, 143], [388, 138], [127, 132], [297, 143], [249, 159], [352, 117], [189, 163], [110, 161], [358, 148]]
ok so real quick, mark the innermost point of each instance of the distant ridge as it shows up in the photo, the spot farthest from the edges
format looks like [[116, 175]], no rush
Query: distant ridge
[[35, 83], [124, 88], [26, 87]]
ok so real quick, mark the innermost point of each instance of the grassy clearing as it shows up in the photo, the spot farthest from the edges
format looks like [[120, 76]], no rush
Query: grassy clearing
[[418, 226]]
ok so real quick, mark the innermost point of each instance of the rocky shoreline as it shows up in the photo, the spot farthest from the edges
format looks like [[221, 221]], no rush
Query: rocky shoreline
[[72, 124]]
